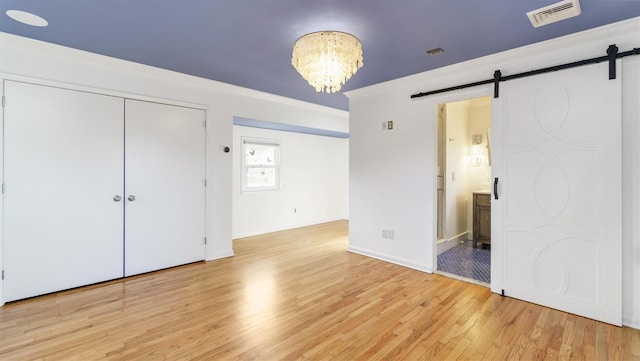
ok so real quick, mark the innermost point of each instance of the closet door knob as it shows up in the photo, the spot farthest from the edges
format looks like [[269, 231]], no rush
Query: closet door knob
[[117, 198], [132, 198]]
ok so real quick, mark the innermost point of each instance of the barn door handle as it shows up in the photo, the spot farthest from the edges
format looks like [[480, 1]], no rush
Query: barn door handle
[[495, 188]]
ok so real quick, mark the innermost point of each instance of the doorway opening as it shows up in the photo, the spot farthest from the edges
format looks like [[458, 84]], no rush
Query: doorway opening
[[464, 190]]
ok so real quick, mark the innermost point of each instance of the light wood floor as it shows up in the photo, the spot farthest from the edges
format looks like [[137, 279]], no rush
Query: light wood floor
[[299, 295]]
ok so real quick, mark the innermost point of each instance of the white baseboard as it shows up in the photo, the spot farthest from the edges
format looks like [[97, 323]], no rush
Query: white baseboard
[[452, 242], [629, 321], [219, 255], [259, 232], [390, 259]]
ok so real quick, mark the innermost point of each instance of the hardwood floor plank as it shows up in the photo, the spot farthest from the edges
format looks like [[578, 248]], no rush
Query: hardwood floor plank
[[299, 295]]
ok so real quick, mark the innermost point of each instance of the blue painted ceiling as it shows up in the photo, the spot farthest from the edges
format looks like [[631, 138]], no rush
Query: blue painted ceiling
[[249, 42]]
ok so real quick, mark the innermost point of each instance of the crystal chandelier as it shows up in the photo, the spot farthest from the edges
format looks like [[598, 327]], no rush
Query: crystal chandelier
[[327, 59]]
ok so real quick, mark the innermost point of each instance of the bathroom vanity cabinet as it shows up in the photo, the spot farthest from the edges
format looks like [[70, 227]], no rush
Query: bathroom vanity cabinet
[[481, 218]]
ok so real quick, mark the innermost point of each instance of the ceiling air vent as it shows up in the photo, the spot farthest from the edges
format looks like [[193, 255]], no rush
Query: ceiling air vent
[[554, 12]]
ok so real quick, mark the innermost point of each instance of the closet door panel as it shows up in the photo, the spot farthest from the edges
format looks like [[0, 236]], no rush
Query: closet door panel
[[62, 170], [164, 171]]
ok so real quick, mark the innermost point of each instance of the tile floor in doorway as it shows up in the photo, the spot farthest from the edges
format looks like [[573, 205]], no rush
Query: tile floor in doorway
[[465, 261]]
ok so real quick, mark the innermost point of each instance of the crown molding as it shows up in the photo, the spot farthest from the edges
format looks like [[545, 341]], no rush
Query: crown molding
[[59, 51]]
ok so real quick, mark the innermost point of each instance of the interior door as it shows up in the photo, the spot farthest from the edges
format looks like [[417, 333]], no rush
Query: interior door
[[164, 187], [557, 155], [63, 154]]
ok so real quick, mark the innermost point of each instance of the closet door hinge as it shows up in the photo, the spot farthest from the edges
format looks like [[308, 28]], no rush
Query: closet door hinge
[[205, 240], [3, 275], [3, 100], [3, 188], [204, 124], [205, 182]]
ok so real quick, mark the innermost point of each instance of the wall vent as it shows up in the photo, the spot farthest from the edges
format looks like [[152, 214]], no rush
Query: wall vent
[[554, 12]]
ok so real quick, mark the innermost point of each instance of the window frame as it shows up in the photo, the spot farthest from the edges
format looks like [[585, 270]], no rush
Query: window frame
[[245, 166]]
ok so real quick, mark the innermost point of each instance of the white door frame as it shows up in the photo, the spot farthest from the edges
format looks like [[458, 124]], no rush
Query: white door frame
[[459, 95]]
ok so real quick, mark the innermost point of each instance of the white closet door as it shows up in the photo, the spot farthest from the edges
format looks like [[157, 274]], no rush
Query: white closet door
[[557, 223], [62, 170], [165, 172]]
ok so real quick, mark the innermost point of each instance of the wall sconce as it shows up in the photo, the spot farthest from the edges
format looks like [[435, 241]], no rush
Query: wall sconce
[[476, 139]]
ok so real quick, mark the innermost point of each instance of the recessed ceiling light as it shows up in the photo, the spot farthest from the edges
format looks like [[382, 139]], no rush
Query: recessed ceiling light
[[435, 51], [27, 18]]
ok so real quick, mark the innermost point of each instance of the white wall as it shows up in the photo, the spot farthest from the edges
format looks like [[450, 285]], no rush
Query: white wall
[[479, 176], [314, 183], [479, 121], [457, 178], [392, 174], [35, 61]]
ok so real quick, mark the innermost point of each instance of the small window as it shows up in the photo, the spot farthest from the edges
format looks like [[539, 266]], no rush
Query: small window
[[260, 165]]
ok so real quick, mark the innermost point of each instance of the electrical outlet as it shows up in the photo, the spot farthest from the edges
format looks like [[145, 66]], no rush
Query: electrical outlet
[[387, 233]]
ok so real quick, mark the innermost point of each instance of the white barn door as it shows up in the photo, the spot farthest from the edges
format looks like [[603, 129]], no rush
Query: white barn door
[[164, 187], [557, 153], [62, 169]]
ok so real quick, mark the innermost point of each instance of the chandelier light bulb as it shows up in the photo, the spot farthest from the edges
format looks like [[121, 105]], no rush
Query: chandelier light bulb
[[327, 59]]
